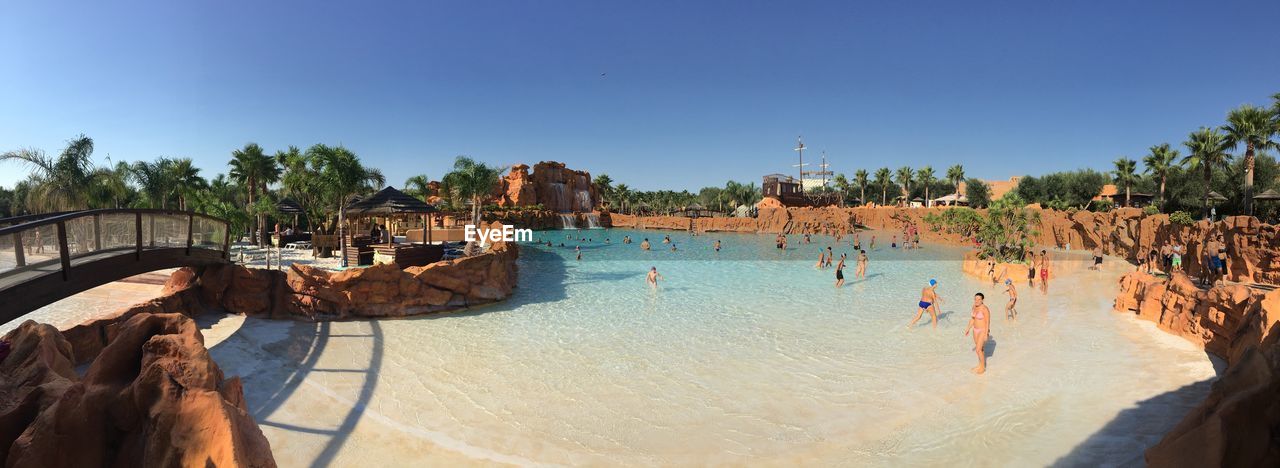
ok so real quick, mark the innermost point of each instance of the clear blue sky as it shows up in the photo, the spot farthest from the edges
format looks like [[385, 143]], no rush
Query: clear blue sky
[[696, 93]]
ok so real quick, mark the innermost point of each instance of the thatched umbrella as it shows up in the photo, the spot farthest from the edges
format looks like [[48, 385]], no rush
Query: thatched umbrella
[[1216, 197], [1269, 195], [288, 206], [391, 202]]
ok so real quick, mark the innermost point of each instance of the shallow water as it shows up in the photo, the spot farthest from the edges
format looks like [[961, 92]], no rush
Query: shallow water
[[748, 355]]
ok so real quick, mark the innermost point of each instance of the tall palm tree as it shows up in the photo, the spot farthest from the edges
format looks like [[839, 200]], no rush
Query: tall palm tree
[[622, 196], [186, 179], [904, 175], [473, 180], [883, 176], [1254, 127], [926, 178], [860, 178], [112, 187], [1125, 176], [1208, 150], [956, 174], [342, 174], [254, 170], [418, 186], [1159, 161], [57, 183], [604, 184]]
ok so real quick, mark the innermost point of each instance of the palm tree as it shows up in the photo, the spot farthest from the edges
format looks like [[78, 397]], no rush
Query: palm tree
[[956, 174], [343, 176], [1254, 127], [60, 183], [905, 174], [155, 181], [1159, 162], [622, 195], [473, 180], [1124, 176], [1208, 150], [883, 176], [860, 178], [604, 184], [418, 186], [186, 179], [925, 178], [254, 170], [112, 187]]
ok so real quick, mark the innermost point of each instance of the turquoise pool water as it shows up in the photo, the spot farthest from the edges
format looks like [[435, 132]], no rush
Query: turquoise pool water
[[748, 355]]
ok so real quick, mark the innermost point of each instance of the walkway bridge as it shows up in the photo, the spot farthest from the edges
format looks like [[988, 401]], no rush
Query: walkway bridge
[[47, 257]]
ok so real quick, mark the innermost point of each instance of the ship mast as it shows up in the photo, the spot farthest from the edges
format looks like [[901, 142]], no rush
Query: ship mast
[[800, 148]]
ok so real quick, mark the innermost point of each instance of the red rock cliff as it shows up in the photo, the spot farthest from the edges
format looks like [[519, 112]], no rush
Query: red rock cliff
[[551, 184], [153, 397]]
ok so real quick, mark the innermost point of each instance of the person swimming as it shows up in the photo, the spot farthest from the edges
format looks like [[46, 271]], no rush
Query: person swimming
[[980, 325], [929, 302]]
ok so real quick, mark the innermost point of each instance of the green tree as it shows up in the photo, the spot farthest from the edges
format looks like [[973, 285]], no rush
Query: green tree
[[155, 181], [905, 175], [926, 178], [57, 183], [254, 170], [860, 177], [978, 193], [186, 179], [1125, 176], [343, 176], [883, 177], [956, 174], [473, 180], [1159, 161], [604, 184], [1253, 127], [418, 186], [1208, 151]]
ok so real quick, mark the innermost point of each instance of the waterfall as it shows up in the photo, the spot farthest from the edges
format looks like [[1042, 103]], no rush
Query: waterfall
[[584, 200], [558, 201], [567, 221], [593, 220]]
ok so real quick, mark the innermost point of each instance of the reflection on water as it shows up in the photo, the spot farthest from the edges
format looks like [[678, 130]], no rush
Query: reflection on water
[[747, 355]]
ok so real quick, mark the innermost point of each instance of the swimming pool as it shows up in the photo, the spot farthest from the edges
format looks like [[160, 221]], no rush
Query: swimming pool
[[749, 355]]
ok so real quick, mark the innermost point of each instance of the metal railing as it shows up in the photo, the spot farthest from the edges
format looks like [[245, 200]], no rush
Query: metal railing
[[41, 241]]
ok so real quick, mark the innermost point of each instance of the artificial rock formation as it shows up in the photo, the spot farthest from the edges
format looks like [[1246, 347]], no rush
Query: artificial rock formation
[[551, 184], [153, 397], [1253, 248], [1239, 423]]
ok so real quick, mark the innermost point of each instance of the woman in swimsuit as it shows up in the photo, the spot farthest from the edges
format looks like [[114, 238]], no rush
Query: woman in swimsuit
[[980, 325]]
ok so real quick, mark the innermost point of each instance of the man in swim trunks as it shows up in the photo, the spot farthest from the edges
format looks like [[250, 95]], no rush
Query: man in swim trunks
[[929, 301], [645, 244], [653, 277], [717, 245], [830, 255], [840, 272], [1044, 267], [1009, 311], [1097, 258], [857, 241], [980, 325]]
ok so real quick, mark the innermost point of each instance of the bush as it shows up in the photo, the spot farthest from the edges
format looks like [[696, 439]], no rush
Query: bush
[[1009, 230], [963, 221], [978, 193], [1182, 217], [1102, 205], [1150, 210]]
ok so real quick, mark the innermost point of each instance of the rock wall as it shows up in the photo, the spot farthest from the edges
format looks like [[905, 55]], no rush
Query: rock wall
[[1253, 248], [551, 184], [1238, 423], [153, 397]]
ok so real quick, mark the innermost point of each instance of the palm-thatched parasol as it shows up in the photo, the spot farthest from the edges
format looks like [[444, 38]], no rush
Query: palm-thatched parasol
[[1269, 194], [390, 202], [1216, 197]]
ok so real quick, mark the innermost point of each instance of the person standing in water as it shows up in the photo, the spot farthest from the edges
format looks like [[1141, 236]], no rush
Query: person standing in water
[[840, 272], [653, 277], [579, 251], [830, 255], [980, 325], [872, 245], [929, 302], [1044, 268], [717, 245], [644, 245], [857, 241], [1009, 309], [822, 258], [862, 264]]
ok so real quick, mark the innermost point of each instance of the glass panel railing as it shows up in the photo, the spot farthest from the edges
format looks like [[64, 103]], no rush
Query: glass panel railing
[[208, 233]]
